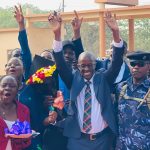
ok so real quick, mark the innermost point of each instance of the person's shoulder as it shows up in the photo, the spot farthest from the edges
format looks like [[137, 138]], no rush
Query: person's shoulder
[[101, 70], [75, 71], [22, 107], [121, 85], [147, 82]]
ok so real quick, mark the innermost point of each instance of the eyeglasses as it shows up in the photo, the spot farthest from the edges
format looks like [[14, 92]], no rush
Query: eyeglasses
[[138, 63], [13, 64], [82, 66]]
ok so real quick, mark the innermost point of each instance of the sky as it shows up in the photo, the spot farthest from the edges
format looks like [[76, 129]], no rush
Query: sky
[[70, 5]]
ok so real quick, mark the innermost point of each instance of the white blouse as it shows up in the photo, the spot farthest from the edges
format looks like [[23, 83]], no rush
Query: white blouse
[[9, 124]]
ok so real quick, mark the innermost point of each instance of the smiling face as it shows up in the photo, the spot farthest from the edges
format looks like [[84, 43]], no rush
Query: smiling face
[[86, 65], [14, 67], [8, 89]]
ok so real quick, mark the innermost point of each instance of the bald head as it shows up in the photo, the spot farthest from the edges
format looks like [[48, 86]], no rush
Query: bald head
[[87, 55]]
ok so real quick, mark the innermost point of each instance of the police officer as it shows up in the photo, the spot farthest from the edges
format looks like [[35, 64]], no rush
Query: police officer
[[134, 105]]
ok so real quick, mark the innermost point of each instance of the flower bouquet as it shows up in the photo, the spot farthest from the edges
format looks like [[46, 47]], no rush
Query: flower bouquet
[[41, 74], [43, 77]]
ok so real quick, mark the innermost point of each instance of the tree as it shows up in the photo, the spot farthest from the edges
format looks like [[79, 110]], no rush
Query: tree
[[89, 31]]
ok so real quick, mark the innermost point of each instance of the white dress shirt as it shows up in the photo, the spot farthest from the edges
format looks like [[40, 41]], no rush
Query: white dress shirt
[[121, 73], [98, 123], [9, 125], [57, 45]]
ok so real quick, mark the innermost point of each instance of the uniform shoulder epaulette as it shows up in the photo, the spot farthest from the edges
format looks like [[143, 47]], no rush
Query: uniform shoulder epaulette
[[123, 89], [146, 99]]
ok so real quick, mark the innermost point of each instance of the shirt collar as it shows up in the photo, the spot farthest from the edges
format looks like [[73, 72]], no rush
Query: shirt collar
[[91, 80], [145, 83]]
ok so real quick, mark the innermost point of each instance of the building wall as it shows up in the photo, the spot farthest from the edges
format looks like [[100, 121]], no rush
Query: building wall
[[8, 41], [38, 38]]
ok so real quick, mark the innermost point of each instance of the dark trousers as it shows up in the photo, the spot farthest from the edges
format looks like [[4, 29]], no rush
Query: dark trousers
[[104, 142], [53, 139], [35, 143]]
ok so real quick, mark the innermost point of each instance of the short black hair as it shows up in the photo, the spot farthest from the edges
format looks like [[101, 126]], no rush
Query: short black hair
[[68, 44]]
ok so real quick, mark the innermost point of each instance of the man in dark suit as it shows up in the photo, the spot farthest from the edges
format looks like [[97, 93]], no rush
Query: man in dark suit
[[93, 128], [71, 51], [124, 73]]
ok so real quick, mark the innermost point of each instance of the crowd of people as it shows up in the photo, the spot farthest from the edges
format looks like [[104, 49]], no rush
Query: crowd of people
[[106, 101]]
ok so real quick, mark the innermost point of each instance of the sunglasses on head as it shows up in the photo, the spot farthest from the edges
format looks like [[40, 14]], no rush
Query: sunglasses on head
[[137, 63]]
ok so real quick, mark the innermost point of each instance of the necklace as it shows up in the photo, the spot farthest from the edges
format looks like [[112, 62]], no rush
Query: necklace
[[4, 112]]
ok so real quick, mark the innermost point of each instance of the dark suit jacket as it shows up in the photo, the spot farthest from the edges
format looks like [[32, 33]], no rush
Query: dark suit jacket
[[106, 63], [102, 82], [127, 73], [78, 50]]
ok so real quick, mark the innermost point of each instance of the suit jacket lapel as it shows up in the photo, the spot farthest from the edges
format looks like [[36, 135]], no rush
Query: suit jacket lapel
[[77, 86], [80, 84], [98, 89], [96, 82]]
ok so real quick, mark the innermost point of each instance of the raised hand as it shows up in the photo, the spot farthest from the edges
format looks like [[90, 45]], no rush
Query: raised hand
[[112, 24], [111, 21], [76, 25], [18, 14], [55, 21]]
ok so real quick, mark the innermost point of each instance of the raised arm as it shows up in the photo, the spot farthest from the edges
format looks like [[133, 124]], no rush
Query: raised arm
[[65, 73], [76, 26], [118, 50], [18, 14], [23, 41]]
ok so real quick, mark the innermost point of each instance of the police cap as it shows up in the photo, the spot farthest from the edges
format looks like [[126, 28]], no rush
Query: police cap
[[139, 56]]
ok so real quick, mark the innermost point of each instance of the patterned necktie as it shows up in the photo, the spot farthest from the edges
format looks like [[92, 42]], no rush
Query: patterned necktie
[[87, 109]]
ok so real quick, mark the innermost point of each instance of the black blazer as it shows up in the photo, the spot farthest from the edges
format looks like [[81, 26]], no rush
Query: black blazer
[[102, 81], [126, 74]]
